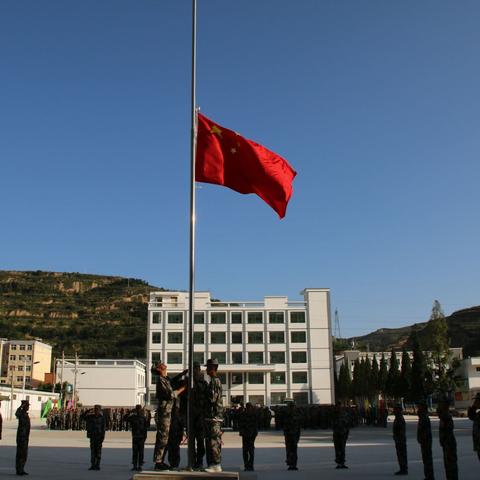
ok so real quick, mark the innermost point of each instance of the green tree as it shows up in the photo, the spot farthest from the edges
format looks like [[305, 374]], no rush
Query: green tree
[[374, 377], [420, 385], [405, 375], [393, 379], [383, 376], [437, 343], [344, 383], [367, 384]]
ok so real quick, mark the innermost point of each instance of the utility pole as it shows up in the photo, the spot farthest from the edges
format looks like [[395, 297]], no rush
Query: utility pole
[[54, 374], [62, 392], [337, 333], [75, 381], [11, 396]]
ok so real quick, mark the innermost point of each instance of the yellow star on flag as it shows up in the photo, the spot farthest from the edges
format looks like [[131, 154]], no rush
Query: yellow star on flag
[[216, 131]]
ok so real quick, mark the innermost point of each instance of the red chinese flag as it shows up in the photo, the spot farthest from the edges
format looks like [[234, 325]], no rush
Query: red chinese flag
[[226, 158]]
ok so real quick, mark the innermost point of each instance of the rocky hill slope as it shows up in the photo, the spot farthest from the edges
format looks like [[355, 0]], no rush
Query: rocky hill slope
[[96, 315], [463, 331]]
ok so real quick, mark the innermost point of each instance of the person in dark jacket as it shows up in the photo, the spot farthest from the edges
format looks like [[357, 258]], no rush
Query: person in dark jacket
[[139, 426], [95, 423], [424, 438], [400, 438], [248, 430], [291, 423], [23, 435], [341, 429], [474, 416], [447, 440]]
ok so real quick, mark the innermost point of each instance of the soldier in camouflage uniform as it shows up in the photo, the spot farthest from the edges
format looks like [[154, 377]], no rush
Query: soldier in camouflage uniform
[[165, 397], [340, 423], [291, 423], [213, 417], [447, 440], [175, 435], [139, 428], [23, 434], [424, 438], [474, 415], [400, 438], [248, 430], [96, 433]]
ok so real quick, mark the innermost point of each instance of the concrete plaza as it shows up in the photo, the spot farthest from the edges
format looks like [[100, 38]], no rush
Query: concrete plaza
[[370, 454]]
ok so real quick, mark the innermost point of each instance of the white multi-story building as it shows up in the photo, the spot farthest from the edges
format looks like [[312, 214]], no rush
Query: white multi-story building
[[267, 350], [110, 383]]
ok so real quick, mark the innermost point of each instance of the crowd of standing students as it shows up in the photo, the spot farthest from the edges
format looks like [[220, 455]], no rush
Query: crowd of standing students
[[207, 420]]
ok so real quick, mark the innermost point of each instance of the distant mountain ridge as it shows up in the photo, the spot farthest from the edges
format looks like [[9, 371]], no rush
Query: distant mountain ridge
[[96, 315], [463, 331]]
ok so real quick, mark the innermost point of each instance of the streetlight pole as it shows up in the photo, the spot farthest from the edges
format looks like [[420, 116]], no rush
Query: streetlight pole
[[11, 395]]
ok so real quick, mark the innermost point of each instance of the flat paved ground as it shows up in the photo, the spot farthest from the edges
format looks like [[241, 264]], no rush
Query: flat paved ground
[[370, 454]]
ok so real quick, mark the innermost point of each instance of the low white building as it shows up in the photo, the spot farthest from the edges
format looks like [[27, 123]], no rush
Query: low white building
[[36, 398], [110, 383], [267, 350], [468, 384]]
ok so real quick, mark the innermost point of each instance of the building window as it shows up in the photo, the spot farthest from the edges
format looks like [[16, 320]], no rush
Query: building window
[[28, 368], [297, 317], [20, 368], [39, 399], [19, 379], [156, 357], [199, 338], [199, 357], [299, 357], [278, 397], [156, 317], [218, 317], [199, 318], [236, 317], [13, 347], [299, 377], [478, 369], [29, 358], [13, 357], [301, 398], [237, 357], [29, 347], [218, 337], [175, 337], [237, 337], [257, 400], [223, 378], [277, 357], [255, 357], [277, 337], [174, 358], [175, 317], [255, 337], [255, 378], [255, 317], [237, 378], [220, 356], [276, 317], [298, 337], [277, 378], [22, 347], [156, 337], [21, 357]]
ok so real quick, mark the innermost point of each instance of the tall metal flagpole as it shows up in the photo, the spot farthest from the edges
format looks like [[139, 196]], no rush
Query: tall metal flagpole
[[191, 306]]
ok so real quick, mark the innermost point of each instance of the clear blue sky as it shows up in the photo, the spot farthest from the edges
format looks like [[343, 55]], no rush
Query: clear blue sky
[[374, 103]]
